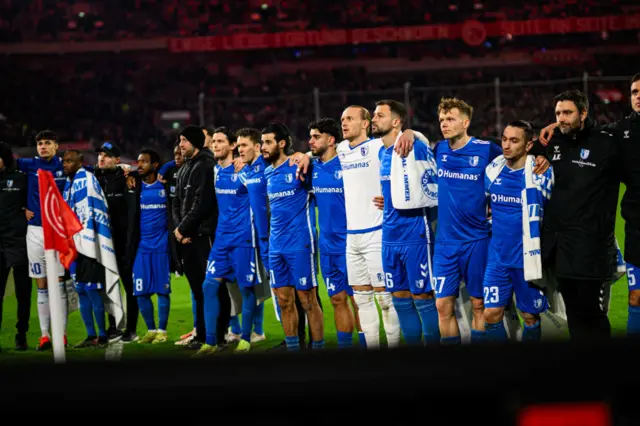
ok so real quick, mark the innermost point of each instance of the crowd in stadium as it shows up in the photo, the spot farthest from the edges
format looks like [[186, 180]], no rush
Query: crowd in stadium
[[52, 20]]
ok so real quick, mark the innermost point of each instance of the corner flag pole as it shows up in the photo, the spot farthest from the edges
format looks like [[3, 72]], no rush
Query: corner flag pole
[[59, 225], [55, 305]]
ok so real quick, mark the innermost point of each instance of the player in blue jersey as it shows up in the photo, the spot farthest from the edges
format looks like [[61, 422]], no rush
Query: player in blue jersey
[[252, 176], [463, 232], [232, 256], [148, 245], [292, 240], [407, 240], [328, 190], [47, 159], [505, 273]]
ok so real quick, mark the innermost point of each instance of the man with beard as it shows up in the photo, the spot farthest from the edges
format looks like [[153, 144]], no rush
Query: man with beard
[[292, 241], [195, 215], [578, 239]]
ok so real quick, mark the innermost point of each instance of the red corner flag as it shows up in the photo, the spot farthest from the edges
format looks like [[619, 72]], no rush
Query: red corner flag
[[59, 222]]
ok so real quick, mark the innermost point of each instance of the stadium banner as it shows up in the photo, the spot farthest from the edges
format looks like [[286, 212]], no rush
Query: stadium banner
[[472, 32]]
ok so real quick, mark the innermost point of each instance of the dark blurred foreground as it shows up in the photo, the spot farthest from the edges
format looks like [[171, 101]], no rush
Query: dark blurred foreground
[[469, 385]]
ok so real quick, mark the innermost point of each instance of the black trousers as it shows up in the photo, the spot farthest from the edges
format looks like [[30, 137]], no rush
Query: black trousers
[[586, 315], [194, 260], [23, 289]]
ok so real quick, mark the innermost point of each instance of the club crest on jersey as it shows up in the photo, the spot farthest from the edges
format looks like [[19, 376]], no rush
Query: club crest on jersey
[[288, 178], [337, 174], [249, 278], [473, 161], [379, 277], [537, 303], [234, 177], [9, 183], [303, 281], [364, 150], [161, 192], [172, 189], [59, 173], [584, 153], [342, 155], [256, 169], [429, 185]]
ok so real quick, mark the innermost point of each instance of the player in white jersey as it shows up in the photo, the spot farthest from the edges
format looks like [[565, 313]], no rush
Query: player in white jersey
[[358, 155]]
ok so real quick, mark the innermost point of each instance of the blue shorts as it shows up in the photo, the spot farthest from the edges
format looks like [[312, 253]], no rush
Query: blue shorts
[[334, 272], [500, 282], [232, 263], [82, 287], [633, 275], [293, 270], [453, 263], [407, 268], [151, 274]]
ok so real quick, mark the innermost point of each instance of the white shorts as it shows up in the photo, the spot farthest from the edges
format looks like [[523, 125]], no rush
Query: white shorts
[[364, 259], [35, 253]]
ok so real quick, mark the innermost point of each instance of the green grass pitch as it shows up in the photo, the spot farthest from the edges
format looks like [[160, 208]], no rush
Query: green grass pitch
[[181, 321]]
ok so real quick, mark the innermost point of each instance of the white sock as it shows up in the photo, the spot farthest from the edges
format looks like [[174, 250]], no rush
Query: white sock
[[44, 314], [63, 304], [369, 319], [389, 319]]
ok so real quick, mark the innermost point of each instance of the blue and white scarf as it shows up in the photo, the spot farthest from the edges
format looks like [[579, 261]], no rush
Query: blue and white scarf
[[535, 195], [414, 182], [86, 198]]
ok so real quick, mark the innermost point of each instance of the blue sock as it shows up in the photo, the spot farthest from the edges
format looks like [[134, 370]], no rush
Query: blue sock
[[293, 343], [86, 312], [494, 332], [451, 340], [193, 309], [429, 316], [317, 344], [211, 310], [478, 336], [258, 319], [532, 333], [362, 339], [633, 322], [234, 323], [97, 304], [344, 339], [248, 311], [409, 320], [146, 309], [164, 305]]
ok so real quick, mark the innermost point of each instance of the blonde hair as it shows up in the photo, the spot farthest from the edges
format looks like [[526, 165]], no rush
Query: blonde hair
[[447, 104]]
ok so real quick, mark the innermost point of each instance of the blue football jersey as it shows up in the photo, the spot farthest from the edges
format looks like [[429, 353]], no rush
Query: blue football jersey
[[252, 176], [154, 234], [30, 167], [234, 215], [462, 205], [293, 220], [506, 207], [400, 227], [329, 195]]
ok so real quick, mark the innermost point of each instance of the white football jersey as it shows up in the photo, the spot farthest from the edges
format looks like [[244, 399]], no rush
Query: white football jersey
[[361, 179]]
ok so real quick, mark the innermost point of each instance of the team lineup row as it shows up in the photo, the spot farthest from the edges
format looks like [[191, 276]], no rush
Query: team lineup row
[[505, 215]]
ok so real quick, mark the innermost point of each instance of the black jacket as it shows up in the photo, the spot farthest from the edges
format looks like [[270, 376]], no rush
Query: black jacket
[[114, 185], [171, 178], [195, 210], [132, 200], [578, 230], [13, 224]]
